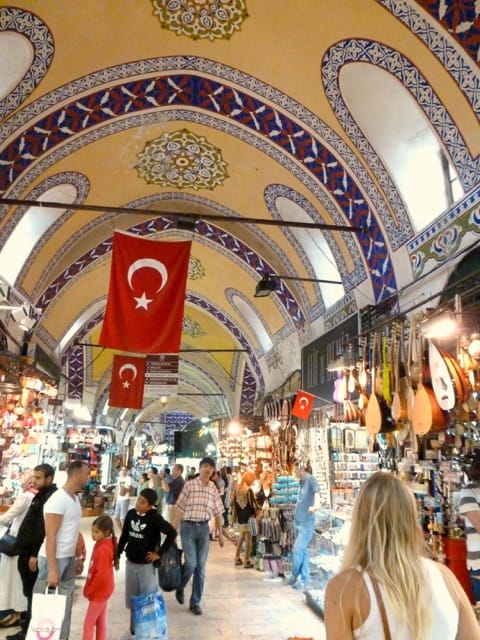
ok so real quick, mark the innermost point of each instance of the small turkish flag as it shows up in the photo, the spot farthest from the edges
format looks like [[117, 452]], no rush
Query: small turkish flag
[[303, 405], [128, 377], [146, 295]]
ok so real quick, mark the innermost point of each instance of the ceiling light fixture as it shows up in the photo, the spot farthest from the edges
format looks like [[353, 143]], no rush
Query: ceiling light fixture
[[269, 283]]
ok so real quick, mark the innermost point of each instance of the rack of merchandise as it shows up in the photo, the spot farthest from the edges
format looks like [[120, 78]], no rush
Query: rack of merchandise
[[326, 553]]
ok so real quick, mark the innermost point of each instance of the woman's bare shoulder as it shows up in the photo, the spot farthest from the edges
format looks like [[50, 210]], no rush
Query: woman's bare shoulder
[[348, 580]]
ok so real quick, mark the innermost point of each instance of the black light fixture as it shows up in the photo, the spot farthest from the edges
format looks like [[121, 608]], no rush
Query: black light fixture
[[269, 282]]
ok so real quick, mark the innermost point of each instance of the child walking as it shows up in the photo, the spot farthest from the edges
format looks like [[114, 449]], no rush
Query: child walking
[[100, 581], [140, 539]]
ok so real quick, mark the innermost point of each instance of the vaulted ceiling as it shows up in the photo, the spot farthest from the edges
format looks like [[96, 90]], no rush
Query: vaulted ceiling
[[130, 114]]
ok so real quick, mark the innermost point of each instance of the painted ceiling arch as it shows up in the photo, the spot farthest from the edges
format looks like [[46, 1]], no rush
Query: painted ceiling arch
[[262, 89]]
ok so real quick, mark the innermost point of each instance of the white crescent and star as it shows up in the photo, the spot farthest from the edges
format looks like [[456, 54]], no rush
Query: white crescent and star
[[303, 402], [146, 263], [127, 367]]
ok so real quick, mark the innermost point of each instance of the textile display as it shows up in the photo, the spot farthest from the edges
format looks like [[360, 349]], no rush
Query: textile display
[[170, 569], [146, 295], [48, 611], [149, 616]]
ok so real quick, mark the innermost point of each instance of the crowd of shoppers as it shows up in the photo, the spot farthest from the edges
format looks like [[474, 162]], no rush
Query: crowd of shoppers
[[386, 580]]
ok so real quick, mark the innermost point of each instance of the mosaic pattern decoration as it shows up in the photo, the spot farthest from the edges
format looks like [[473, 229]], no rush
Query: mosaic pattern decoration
[[182, 160], [208, 19], [41, 40], [460, 19]]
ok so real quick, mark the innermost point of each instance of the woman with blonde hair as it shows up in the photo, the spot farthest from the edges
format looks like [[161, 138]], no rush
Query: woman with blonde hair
[[387, 581], [244, 506]]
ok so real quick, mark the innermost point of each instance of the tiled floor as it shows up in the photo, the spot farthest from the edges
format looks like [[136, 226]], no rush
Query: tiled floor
[[237, 603]]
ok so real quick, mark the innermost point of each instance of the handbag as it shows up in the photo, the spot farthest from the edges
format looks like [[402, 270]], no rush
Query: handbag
[[8, 543], [48, 611], [170, 569]]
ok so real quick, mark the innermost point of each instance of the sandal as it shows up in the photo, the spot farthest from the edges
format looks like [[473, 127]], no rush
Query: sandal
[[11, 621], [238, 562], [248, 565]]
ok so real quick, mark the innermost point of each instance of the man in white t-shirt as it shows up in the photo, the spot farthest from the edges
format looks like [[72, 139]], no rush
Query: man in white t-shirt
[[122, 496], [60, 557]]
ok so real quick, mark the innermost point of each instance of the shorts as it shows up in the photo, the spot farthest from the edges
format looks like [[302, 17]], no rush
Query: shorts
[[139, 578], [242, 528]]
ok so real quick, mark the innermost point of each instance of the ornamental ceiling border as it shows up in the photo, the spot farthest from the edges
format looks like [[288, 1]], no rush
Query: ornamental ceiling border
[[443, 239], [452, 60], [38, 34], [410, 77], [334, 182]]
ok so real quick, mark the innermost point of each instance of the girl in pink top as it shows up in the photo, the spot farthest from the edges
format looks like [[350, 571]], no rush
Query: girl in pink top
[[100, 582]]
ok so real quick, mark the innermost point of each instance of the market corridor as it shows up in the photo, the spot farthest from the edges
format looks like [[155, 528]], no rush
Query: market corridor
[[238, 603]]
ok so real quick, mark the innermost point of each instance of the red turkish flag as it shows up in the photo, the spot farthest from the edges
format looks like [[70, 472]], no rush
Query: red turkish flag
[[303, 404], [146, 296], [126, 387]]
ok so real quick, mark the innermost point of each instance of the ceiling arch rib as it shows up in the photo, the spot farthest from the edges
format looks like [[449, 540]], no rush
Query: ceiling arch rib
[[395, 63], [33, 30], [277, 128], [462, 71]]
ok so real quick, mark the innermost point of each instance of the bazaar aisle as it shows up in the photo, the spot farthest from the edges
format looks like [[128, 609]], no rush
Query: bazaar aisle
[[237, 603]]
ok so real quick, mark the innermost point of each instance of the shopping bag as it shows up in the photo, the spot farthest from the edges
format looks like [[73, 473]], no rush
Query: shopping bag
[[48, 611], [170, 569], [149, 616]]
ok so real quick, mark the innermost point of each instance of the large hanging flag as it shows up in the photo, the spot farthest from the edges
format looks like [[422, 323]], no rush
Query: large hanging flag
[[126, 386], [303, 405], [146, 296]]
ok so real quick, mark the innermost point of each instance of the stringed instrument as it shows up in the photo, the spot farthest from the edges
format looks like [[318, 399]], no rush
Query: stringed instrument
[[426, 414], [399, 399], [378, 417], [363, 378], [386, 372], [442, 382]]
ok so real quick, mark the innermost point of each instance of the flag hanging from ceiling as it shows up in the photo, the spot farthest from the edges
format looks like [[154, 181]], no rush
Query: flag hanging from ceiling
[[303, 404], [146, 296], [126, 387]]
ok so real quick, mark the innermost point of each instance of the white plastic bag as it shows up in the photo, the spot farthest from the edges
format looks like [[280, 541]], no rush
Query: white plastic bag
[[48, 611]]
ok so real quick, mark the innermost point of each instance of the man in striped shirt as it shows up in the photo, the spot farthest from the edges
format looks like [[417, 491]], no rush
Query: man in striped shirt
[[469, 508], [198, 502]]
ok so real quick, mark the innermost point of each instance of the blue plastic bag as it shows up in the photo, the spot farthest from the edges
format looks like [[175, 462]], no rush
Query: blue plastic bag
[[150, 616]]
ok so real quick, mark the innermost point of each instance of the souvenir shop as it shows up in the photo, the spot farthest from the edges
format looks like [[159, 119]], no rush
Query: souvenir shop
[[403, 397], [34, 429]]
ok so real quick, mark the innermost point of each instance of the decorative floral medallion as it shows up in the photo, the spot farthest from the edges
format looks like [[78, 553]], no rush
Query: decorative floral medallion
[[192, 328], [183, 160], [212, 19], [195, 269]]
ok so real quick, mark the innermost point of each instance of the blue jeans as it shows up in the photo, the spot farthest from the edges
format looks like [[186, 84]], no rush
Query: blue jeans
[[195, 543], [66, 570], [475, 582], [300, 562]]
